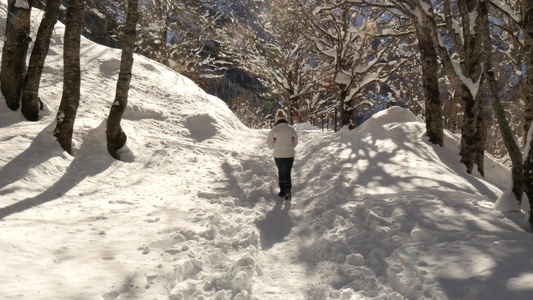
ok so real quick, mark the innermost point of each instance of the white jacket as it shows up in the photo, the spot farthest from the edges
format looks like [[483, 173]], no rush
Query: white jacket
[[282, 138]]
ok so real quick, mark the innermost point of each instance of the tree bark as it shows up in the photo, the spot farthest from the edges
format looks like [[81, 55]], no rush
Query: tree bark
[[454, 118], [527, 27], [294, 110], [70, 99], [469, 138], [490, 78], [472, 56], [16, 41], [347, 111], [434, 127], [468, 48], [116, 138], [30, 90], [481, 133]]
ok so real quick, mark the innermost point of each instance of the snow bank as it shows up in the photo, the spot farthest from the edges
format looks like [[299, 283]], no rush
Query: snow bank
[[377, 213]]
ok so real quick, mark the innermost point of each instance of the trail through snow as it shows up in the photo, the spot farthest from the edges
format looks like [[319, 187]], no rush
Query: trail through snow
[[191, 211]]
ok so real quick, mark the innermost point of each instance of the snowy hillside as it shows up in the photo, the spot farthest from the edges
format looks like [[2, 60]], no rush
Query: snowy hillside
[[191, 212]]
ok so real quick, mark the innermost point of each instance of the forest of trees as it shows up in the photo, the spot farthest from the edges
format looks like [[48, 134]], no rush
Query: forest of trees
[[461, 65]]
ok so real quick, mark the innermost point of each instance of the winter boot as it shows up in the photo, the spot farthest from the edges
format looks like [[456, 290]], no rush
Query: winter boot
[[288, 186], [281, 189]]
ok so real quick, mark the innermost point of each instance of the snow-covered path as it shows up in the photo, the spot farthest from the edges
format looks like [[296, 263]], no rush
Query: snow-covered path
[[191, 213], [377, 211], [283, 275], [188, 219]]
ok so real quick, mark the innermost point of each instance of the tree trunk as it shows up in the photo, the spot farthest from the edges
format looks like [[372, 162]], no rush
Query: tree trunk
[[469, 10], [164, 37], [528, 112], [468, 49], [510, 143], [434, 127], [468, 133], [16, 41], [30, 91], [346, 111], [527, 27], [481, 133], [455, 113], [70, 99], [294, 110], [116, 138]]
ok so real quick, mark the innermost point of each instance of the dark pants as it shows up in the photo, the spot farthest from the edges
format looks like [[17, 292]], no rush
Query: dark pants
[[284, 169]]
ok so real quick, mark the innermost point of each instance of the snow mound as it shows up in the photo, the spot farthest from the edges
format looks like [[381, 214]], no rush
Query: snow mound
[[157, 95], [377, 213], [394, 115]]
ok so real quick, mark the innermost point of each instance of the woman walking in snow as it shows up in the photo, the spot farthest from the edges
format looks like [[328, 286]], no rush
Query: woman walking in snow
[[282, 138]]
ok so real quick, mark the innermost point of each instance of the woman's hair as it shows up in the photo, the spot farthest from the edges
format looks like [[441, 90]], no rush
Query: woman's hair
[[281, 115]]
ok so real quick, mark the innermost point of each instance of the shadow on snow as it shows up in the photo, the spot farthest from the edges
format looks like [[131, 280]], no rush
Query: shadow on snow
[[76, 172]]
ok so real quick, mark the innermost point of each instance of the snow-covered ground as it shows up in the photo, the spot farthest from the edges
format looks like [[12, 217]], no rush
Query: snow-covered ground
[[191, 211]]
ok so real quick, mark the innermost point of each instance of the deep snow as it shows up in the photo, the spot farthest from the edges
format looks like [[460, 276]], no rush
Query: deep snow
[[191, 211]]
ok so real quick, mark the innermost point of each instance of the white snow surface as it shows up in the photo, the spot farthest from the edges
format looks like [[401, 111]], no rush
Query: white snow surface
[[191, 212]]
